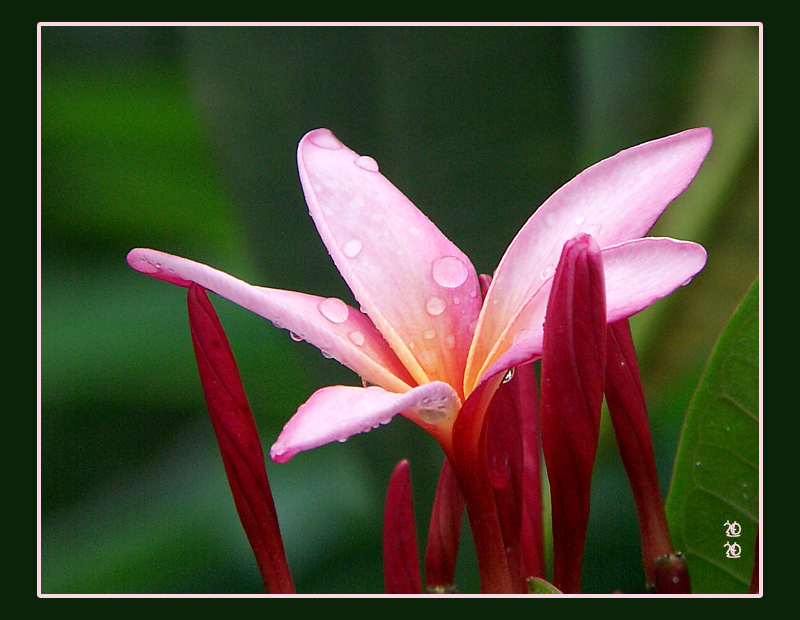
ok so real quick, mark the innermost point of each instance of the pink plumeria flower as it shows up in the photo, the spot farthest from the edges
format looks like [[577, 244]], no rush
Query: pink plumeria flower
[[425, 337]]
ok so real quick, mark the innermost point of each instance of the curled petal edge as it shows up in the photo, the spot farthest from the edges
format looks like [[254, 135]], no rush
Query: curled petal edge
[[338, 412]]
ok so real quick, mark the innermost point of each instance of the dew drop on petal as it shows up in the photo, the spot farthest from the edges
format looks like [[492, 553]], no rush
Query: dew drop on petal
[[547, 272], [579, 220], [333, 309], [435, 305], [449, 271], [326, 140], [295, 337], [429, 334], [356, 337], [365, 162], [450, 341], [509, 375], [352, 248], [427, 359], [431, 415]]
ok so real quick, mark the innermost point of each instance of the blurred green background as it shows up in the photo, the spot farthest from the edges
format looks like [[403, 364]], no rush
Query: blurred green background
[[183, 139]]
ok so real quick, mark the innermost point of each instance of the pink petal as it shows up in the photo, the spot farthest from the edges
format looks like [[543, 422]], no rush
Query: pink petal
[[637, 274], [329, 324], [338, 412], [615, 200], [418, 288]]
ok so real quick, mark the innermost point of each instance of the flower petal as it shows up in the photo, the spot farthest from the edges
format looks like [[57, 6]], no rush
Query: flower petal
[[338, 412], [329, 324], [637, 273], [615, 200], [418, 288]]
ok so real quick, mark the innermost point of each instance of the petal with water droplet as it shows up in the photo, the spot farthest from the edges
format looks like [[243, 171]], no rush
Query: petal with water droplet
[[357, 410], [406, 273], [328, 324]]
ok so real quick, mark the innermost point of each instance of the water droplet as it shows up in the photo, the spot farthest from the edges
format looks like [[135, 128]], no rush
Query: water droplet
[[698, 464], [550, 220], [509, 375], [431, 416], [326, 140], [429, 334], [356, 337], [547, 272], [352, 248], [450, 341], [365, 162], [449, 271], [295, 337], [435, 305], [333, 309], [579, 220], [427, 359]]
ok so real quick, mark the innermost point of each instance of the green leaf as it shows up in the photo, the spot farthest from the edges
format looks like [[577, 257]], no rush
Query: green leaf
[[715, 482], [537, 585]]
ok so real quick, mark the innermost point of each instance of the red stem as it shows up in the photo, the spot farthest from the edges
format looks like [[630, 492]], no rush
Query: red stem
[[471, 468]]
